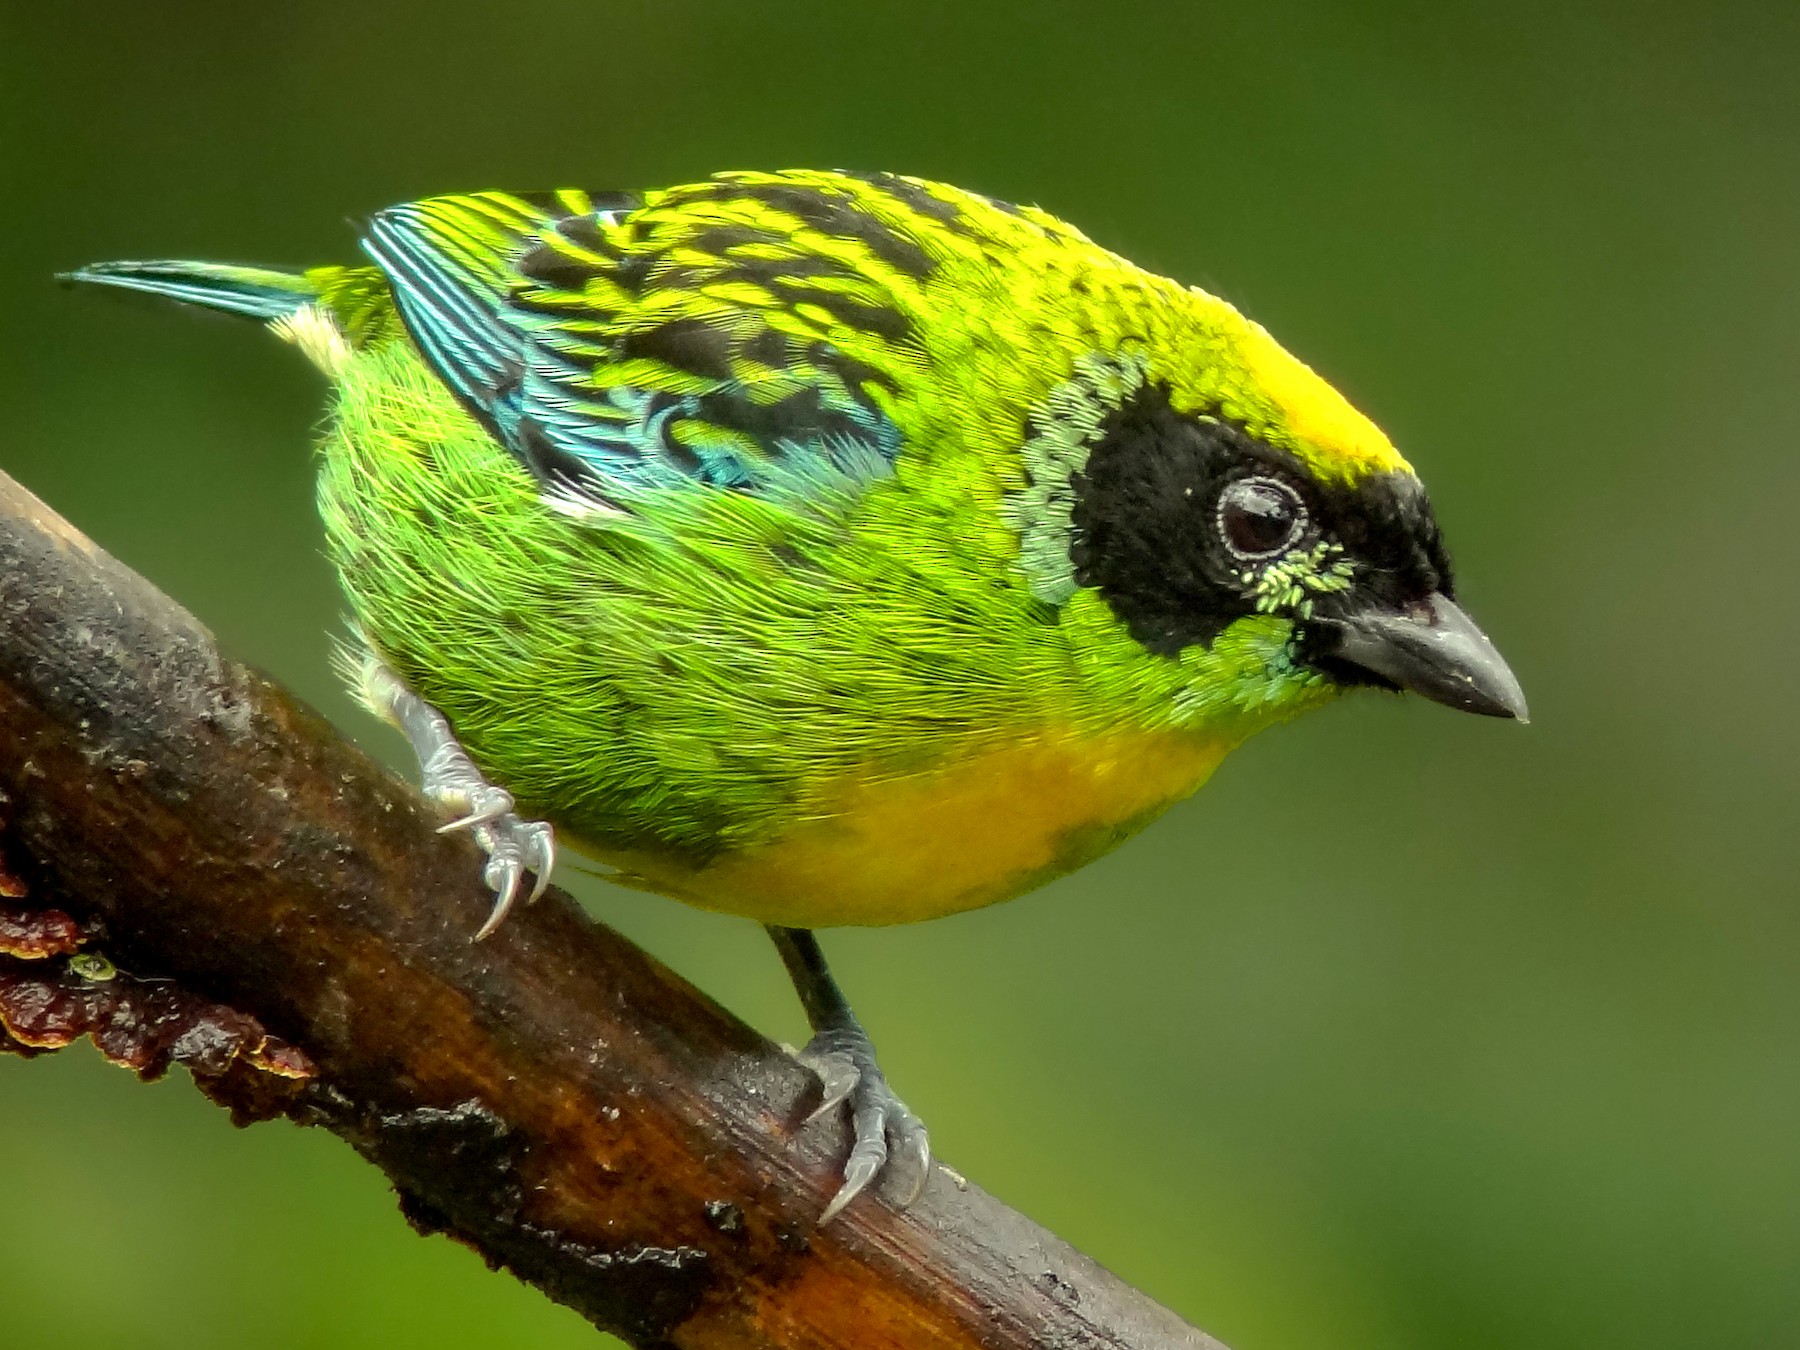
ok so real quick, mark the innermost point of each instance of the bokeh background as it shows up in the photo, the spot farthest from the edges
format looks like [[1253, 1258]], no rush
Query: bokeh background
[[1414, 1030]]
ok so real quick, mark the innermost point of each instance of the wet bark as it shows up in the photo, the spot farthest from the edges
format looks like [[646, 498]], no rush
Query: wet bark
[[197, 869]]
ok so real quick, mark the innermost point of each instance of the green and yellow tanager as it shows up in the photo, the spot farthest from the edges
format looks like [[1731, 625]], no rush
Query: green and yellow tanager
[[833, 548]]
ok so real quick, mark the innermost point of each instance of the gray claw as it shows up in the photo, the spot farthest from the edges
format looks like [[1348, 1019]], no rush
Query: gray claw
[[485, 814], [513, 845], [858, 1173], [838, 1075], [842, 1055], [453, 780], [848, 1074], [540, 856], [915, 1146], [502, 876]]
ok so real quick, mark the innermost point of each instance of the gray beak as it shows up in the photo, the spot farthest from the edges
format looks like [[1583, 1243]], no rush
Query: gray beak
[[1430, 648]]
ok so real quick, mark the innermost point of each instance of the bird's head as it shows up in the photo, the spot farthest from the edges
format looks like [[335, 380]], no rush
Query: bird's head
[[1240, 519]]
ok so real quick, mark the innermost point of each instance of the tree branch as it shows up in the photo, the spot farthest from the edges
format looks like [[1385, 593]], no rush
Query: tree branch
[[285, 920]]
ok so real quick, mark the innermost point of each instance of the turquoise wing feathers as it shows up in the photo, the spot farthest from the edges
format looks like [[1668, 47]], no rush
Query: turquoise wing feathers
[[616, 348]]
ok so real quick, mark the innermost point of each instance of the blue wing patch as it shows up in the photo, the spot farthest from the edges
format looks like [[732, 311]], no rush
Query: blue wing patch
[[555, 332]]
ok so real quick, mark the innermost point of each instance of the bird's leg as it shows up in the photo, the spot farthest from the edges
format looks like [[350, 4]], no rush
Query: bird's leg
[[513, 844], [841, 1053]]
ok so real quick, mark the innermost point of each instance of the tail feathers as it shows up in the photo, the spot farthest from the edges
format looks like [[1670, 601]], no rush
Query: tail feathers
[[255, 292]]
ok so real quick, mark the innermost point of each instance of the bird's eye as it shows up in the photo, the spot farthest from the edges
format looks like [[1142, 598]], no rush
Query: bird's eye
[[1260, 517]]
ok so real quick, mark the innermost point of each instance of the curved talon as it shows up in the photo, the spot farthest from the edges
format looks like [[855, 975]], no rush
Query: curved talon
[[496, 917], [452, 779], [848, 1074], [541, 857], [484, 804], [858, 1173], [503, 873], [838, 1076], [915, 1144], [843, 1057], [514, 846]]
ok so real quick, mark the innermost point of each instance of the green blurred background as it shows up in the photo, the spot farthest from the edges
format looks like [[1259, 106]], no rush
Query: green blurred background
[[1414, 1030]]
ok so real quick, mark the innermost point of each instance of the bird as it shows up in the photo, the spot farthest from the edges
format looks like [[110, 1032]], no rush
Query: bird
[[832, 548]]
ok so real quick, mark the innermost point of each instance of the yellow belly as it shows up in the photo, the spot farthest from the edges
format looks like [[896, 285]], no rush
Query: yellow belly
[[884, 848]]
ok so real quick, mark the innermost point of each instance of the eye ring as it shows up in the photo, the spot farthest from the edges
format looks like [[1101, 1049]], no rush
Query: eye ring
[[1259, 517]]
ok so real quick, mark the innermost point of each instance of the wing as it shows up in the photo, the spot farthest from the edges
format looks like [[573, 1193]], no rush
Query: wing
[[748, 332]]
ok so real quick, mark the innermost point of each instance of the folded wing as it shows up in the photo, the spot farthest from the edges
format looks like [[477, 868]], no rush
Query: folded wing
[[622, 343]]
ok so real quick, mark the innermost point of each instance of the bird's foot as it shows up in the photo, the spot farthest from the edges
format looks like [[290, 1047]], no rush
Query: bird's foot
[[514, 845], [881, 1124]]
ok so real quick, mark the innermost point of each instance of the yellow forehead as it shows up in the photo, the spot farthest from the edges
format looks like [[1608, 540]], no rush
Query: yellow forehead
[[1333, 439]]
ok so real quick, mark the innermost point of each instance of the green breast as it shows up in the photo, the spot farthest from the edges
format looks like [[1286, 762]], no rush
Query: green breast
[[684, 677]]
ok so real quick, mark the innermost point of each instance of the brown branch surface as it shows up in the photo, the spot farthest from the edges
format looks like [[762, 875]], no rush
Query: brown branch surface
[[280, 913]]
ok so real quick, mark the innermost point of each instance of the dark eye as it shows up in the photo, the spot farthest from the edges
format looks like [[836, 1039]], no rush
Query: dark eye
[[1260, 516]]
